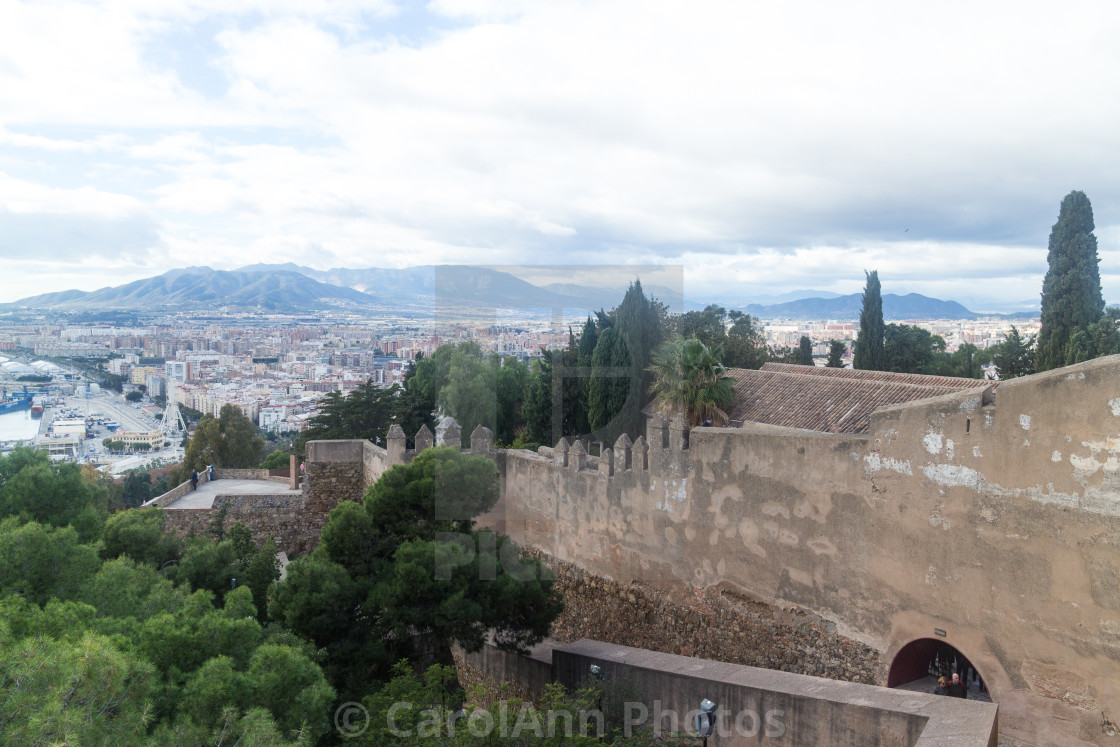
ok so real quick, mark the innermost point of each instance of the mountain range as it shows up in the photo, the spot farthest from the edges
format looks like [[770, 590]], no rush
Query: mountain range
[[285, 288]]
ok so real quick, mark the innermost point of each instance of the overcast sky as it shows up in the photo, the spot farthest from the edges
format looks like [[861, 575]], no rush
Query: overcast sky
[[764, 146]]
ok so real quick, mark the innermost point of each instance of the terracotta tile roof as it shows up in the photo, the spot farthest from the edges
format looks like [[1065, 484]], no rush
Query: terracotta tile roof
[[900, 378], [832, 400]]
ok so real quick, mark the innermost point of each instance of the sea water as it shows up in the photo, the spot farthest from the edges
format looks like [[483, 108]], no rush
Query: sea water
[[18, 425]]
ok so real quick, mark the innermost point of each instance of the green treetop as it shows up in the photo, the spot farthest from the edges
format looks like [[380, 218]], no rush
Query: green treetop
[[1071, 290], [407, 574], [868, 353], [805, 351]]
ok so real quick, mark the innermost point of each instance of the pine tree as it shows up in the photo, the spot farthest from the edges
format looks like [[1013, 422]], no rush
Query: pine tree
[[1071, 292], [869, 353], [835, 354]]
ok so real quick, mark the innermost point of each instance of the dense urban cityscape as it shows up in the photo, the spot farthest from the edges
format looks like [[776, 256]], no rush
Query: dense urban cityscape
[[275, 368]]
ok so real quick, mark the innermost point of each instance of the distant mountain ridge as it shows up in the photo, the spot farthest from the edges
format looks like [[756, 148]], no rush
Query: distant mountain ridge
[[895, 307], [283, 288], [201, 286]]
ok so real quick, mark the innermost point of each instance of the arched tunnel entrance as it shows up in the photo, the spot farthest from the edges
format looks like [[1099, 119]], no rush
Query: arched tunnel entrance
[[918, 664]]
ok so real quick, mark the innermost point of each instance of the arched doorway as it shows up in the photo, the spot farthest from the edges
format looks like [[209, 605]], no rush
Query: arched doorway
[[918, 664]]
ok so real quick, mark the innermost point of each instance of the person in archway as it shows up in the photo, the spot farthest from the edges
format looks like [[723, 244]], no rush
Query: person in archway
[[942, 687], [958, 689]]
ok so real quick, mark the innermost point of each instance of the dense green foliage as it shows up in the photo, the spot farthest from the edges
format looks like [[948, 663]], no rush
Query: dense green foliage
[[805, 351], [609, 385], [424, 709], [1014, 356], [740, 346], [909, 349], [1072, 304], [405, 574], [98, 646], [32, 488], [367, 413], [638, 323], [279, 459], [229, 440], [868, 353], [836, 349]]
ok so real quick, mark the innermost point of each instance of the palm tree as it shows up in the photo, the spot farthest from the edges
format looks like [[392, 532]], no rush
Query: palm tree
[[688, 378]]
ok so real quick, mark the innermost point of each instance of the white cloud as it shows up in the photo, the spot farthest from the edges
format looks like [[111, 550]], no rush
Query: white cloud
[[22, 196], [769, 146]]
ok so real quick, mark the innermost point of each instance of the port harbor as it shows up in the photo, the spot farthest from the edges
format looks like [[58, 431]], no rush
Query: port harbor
[[72, 421]]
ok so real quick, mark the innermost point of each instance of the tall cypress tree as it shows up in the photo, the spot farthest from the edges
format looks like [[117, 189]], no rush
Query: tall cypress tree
[[639, 328], [1071, 292], [602, 406], [587, 341], [805, 351], [868, 351]]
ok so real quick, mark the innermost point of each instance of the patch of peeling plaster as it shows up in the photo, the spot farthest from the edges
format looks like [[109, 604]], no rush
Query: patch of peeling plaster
[[876, 463], [1056, 456], [1025, 422], [1103, 455], [679, 495], [939, 521], [970, 404], [976, 452], [1115, 405], [952, 475], [932, 442]]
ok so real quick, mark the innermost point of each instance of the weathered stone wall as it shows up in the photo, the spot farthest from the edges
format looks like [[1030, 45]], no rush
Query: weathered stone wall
[[705, 623], [184, 521], [994, 522], [170, 496], [226, 473], [334, 472], [281, 516], [375, 460]]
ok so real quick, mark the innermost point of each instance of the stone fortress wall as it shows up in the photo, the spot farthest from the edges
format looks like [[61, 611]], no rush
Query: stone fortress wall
[[990, 521]]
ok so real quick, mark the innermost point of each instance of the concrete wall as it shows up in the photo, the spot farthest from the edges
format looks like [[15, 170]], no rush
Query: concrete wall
[[755, 706], [997, 523]]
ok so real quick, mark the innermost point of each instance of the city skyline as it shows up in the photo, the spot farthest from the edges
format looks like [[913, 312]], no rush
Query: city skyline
[[764, 149]]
